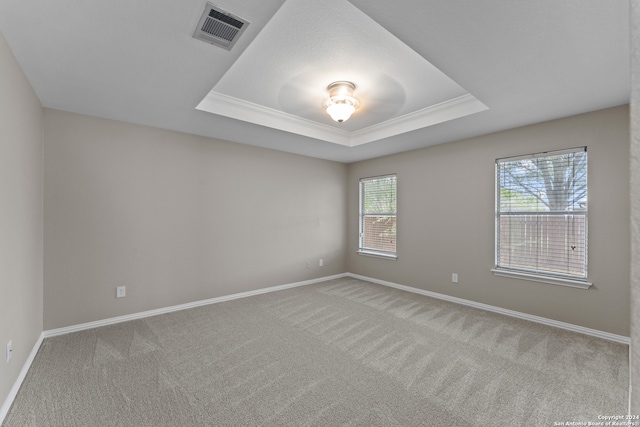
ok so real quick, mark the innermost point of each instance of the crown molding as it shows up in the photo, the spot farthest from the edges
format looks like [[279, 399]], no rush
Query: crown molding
[[439, 113], [228, 106]]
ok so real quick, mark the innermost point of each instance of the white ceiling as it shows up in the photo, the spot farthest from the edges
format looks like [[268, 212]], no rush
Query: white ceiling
[[427, 72], [398, 90]]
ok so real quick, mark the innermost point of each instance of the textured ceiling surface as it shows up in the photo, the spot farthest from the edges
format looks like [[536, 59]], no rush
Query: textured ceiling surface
[[427, 71]]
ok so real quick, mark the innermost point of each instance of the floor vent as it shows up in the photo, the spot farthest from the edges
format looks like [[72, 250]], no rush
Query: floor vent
[[219, 27]]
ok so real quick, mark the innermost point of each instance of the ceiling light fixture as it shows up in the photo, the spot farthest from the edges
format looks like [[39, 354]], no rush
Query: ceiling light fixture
[[341, 103]]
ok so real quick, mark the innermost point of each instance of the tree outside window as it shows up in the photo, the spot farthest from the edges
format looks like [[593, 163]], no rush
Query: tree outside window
[[541, 213]]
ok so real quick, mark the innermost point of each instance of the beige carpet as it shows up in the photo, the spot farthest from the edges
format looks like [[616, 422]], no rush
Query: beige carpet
[[343, 352]]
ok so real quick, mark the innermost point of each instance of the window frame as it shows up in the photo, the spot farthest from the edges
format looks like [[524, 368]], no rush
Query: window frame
[[539, 275], [362, 250]]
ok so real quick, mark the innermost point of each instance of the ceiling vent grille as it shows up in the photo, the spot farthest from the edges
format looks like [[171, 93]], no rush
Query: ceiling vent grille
[[219, 27]]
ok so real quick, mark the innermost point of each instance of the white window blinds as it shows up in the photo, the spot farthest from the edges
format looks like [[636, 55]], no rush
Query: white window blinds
[[378, 215], [541, 213]]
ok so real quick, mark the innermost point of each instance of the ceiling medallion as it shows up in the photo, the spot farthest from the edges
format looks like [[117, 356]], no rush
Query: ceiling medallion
[[341, 103]]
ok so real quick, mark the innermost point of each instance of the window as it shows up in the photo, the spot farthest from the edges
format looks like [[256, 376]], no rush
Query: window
[[541, 217], [378, 216]]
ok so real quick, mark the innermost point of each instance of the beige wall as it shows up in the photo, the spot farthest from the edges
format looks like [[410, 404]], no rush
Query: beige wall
[[635, 207], [177, 218], [20, 217], [446, 220]]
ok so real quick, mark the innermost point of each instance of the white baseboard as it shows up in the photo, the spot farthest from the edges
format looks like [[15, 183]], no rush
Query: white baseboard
[[90, 325], [143, 314], [23, 373], [542, 320], [549, 322]]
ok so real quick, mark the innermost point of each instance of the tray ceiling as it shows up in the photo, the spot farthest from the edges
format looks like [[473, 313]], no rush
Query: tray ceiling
[[427, 71], [280, 80]]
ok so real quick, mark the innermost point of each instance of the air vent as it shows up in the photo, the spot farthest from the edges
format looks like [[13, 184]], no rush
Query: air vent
[[219, 27]]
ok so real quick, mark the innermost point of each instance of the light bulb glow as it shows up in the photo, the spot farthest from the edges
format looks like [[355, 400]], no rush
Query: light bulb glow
[[341, 110], [341, 103]]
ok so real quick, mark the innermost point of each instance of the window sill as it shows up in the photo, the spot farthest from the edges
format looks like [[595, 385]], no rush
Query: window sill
[[544, 279], [375, 254]]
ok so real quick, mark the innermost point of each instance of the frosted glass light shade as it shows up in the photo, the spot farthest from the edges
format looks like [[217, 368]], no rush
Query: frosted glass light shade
[[341, 111], [341, 103]]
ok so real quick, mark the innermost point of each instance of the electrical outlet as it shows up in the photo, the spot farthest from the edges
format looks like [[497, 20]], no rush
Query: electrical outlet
[[121, 291], [9, 350], [454, 277], [321, 263], [308, 264]]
